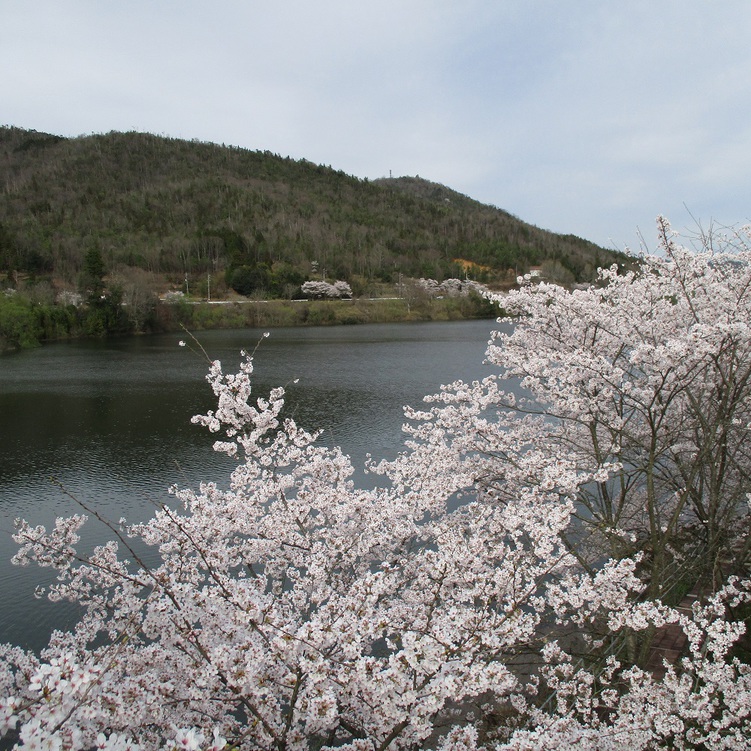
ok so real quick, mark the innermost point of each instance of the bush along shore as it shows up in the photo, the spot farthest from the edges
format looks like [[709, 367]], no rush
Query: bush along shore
[[27, 321]]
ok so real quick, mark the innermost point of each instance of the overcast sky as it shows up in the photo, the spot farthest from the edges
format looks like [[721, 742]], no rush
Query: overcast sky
[[585, 117]]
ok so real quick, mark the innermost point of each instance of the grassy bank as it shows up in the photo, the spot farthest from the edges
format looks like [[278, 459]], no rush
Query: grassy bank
[[275, 313], [26, 322]]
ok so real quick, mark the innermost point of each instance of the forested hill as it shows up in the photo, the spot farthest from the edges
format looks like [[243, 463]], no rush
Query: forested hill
[[172, 207]]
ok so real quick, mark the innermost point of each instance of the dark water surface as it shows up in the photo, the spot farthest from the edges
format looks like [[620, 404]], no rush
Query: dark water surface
[[111, 422]]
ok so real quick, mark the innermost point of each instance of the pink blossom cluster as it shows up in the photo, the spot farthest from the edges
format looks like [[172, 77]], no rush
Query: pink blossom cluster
[[323, 289], [451, 287]]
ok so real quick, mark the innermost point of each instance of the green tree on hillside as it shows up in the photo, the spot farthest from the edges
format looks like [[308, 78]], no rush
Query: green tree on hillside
[[247, 279], [92, 276]]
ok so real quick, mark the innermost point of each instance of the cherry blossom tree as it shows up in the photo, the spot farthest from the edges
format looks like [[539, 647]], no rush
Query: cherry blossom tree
[[643, 381], [324, 289], [451, 287], [491, 593]]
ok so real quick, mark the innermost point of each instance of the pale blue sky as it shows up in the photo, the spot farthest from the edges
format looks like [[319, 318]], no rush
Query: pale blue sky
[[585, 117]]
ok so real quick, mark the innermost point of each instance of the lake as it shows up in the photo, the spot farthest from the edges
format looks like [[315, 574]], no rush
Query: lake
[[110, 420]]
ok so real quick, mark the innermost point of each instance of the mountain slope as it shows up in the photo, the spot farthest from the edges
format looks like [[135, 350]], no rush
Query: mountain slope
[[173, 207]]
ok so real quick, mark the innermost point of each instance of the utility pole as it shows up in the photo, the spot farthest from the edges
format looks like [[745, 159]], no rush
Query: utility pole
[[208, 287]]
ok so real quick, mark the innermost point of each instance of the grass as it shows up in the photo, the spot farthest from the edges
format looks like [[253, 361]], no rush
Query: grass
[[276, 313]]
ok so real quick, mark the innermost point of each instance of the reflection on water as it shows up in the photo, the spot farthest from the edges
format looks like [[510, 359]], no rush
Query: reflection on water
[[111, 421]]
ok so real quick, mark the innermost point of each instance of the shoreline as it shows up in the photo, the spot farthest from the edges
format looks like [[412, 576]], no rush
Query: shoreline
[[202, 315]]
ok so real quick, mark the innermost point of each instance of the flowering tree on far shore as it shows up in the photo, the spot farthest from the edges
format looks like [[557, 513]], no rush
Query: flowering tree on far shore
[[320, 289], [499, 590], [451, 287]]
